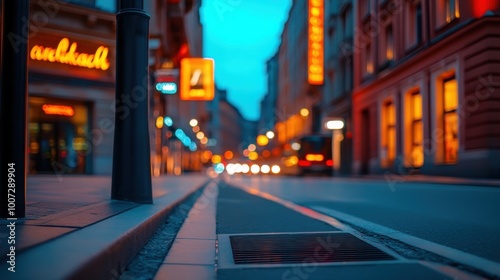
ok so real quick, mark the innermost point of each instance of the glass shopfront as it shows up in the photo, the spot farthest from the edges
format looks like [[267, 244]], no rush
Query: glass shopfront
[[58, 132]]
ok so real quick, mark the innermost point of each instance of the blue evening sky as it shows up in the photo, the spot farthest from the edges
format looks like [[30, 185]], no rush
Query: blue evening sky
[[240, 35]]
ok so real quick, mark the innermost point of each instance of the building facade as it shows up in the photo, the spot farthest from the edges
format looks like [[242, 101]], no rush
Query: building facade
[[267, 120], [297, 101], [426, 88], [71, 78], [225, 127], [337, 90], [175, 33]]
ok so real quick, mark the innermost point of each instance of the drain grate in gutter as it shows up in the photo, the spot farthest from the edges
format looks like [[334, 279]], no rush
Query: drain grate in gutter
[[321, 247]]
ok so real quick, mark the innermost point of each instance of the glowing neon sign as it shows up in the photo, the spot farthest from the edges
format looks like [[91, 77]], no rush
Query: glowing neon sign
[[315, 51], [67, 54], [60, 110]]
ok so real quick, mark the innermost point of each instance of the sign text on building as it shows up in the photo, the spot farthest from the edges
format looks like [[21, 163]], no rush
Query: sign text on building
[[66, 53], [315, 53]]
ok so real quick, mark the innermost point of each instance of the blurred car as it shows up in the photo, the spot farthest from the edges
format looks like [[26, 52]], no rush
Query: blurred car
[[315, 155]]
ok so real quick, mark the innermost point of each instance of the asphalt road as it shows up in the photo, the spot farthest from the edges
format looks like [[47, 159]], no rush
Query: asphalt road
[[457, 216]]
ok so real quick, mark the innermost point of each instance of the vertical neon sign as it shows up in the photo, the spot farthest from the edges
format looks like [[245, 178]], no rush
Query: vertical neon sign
[[315, 53]]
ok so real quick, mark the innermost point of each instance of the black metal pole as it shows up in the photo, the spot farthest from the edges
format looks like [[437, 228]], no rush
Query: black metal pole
[[13, 108], [131, 179]]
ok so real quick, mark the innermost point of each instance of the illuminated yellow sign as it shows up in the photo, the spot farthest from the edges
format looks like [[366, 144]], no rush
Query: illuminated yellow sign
[[60, 110], [197, 79], [315, 52], [67, 54]]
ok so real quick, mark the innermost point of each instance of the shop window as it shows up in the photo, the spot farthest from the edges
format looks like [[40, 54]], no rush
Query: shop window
[[414, 149], [58, 136], [450, 120], [447, 11], [388, 133]]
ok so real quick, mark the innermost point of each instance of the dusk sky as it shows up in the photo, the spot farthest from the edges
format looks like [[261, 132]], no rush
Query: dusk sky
[[240, 35]]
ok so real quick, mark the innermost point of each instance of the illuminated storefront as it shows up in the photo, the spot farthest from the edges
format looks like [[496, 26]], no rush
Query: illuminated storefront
[[71, 92], [58, 135]]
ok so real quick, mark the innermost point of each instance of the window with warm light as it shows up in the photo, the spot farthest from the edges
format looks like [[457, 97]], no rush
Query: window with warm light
[[367, 60], [414, 129], [388, 133], [413, 28], [389, 43], [451, 10], [450, 120], [447, 11]]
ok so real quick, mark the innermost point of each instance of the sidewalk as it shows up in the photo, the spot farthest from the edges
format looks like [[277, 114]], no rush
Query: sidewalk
[[74, 231]]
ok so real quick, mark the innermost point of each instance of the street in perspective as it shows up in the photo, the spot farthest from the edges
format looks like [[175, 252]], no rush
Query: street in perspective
[[245, 139]]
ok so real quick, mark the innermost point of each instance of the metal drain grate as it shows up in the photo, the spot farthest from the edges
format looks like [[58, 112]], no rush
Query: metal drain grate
[[304, 247]]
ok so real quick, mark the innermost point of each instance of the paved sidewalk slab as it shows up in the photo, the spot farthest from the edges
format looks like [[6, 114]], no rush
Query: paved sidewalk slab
[[102, 249], [192, 255]]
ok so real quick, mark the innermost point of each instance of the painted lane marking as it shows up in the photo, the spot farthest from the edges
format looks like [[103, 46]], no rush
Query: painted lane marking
[[334, 218], [444, 251]]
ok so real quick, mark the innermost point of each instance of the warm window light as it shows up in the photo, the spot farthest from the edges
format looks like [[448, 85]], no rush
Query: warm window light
[[304, 112], [193, 122], [369, 67]]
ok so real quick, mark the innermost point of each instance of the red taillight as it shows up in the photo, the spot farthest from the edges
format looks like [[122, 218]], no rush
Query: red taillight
[[304, 163], [329, 162]]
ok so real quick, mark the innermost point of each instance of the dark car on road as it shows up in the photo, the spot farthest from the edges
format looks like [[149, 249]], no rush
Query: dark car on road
[[315, 155]]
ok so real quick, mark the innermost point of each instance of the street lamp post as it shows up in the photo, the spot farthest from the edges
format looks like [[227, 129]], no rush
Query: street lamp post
[[13, 105], [131, 179], [335, 125]]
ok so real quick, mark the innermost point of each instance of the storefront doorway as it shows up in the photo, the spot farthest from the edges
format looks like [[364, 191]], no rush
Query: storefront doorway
[[58, 137]]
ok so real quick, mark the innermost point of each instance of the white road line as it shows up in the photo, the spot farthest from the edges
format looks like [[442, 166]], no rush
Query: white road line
[[444, 251], [335, 218]]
